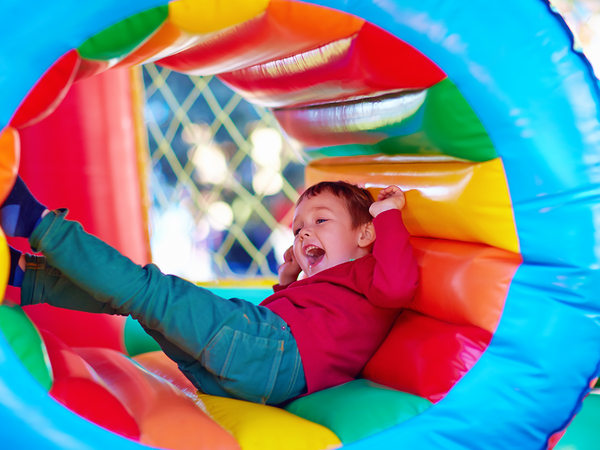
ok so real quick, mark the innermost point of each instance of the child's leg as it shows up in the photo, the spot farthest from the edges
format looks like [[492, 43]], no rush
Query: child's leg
[[161, 302], [46, 284], [236, 348]]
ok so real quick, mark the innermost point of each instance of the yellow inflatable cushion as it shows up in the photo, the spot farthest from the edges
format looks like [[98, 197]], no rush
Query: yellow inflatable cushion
[[213, 15], [4, 264], [262, 427], [446, 198]]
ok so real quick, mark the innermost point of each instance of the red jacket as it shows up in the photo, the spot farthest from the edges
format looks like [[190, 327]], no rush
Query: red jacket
[[340, 316]]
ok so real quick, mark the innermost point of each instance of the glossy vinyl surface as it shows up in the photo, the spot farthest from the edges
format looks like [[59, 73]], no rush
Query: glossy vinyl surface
[[538, 101], [10, 155], [449, 324], [159, 364], [255, 427], [446, 198], [83, 157], [122, 38], [167, 39], [165, 416], [264, 427], [212, 15], [444, 124], [463, 283], [48, 92], [283, 29], [78, 387], [358, 409], [348, 68], [26, 342], [90, 67], [365, 121], [426, 357], [582, 434]]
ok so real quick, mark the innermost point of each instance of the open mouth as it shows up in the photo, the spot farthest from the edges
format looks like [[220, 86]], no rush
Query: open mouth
[[314, 254]]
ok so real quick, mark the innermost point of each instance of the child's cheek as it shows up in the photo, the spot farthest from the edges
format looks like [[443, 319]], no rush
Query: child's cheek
[[296, 255]]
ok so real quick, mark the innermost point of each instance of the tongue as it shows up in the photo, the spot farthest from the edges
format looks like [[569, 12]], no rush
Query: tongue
[[315, 256]]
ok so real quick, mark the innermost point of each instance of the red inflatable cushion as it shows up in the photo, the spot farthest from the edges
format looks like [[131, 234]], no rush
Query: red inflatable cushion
[[284, 29], [348, 68], [165, 415], [77, 386], [48, 92], [426, 357]]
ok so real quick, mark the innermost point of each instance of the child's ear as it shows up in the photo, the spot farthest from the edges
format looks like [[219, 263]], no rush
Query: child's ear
[[367, 235]]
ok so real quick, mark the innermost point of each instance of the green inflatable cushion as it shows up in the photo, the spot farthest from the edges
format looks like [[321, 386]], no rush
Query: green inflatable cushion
[[123, 37], [24, 339], [358, 409]]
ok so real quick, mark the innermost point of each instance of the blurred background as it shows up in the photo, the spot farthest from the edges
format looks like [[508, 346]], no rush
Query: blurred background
[[223, 179]]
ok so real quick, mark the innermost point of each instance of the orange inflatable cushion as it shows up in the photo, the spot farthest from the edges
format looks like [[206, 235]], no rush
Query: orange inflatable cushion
[[451, 320], [161, 365], [462, 283], [166, 416], [10, 152]]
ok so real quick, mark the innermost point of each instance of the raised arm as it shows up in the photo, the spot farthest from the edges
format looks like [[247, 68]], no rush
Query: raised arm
[[394, 268], [391, 197]]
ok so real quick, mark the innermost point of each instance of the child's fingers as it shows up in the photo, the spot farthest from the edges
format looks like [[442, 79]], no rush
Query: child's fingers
[[384, 193], [388, 192], [288, 255]]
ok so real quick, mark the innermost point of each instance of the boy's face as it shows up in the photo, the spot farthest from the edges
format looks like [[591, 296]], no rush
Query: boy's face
[[323, 234]]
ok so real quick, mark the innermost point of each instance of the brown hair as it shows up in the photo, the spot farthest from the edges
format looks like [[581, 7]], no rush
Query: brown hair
[[357, 199]]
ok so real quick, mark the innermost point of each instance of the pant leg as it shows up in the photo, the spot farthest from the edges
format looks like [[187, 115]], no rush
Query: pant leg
[[44, 281], [46, 284], [223, 337], [186, 313]]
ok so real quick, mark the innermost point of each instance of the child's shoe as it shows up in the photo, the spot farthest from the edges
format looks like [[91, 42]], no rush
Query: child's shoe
[[21, 212]]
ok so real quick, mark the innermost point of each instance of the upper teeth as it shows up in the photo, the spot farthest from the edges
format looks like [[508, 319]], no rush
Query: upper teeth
[[310, 249]]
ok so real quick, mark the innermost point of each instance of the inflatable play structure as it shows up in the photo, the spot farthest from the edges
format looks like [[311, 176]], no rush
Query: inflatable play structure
[[481, 111]]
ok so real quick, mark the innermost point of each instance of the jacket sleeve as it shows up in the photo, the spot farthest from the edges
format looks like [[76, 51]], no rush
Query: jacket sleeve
[[278, 287], [393, 265]]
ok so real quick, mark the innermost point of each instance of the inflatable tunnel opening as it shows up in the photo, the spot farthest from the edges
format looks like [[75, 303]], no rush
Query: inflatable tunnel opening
[[492, 149]]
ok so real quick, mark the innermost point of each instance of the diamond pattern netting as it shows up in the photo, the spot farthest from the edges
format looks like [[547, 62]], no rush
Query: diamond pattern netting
[[222, 179]]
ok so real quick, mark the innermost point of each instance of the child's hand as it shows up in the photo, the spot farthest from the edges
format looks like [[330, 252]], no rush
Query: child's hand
[[289, 270], [391, 197]]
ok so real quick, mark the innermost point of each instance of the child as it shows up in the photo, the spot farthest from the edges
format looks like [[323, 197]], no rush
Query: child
[[311, 334]]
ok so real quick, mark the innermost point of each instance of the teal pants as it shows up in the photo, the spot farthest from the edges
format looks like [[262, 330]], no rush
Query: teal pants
[[225, 347]]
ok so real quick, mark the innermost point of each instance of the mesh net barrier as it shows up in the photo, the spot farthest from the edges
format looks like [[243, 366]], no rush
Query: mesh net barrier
[[223, 180]]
